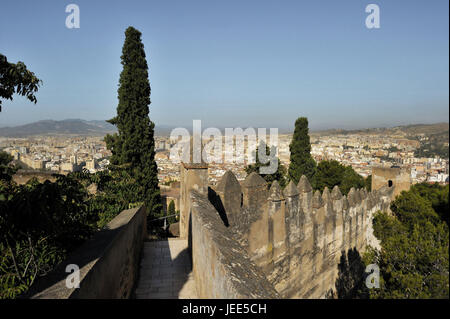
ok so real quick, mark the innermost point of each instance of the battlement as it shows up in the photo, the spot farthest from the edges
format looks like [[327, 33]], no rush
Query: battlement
[[294, 236]]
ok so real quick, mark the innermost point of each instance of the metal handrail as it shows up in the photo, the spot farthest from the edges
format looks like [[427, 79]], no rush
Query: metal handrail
[[165, 217]]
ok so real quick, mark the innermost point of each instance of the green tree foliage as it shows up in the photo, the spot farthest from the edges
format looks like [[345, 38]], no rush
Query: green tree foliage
[[40, 223], [332, 173], [171, 211], [6, 169], [133, 147], [411, 209], [437, 195], [16, 78], [368, 183], [279, 175], [116, 191], [301, 161], [414, 255], [351, 179]]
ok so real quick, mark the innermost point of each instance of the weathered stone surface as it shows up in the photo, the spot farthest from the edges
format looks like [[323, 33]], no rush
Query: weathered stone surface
[[361, 194], [254, 180], [111, 253], [357, 196], [291, 190], [345, 203], [383, 190], [351, 196], [303, 185], [222, 269], [192, 176], [174, 229], [254, 194], [317, 200], [228, 182], [398, 178], [336, 193], [275, 193], [295, 237], [286, 244], [229, 191], [326, 196]]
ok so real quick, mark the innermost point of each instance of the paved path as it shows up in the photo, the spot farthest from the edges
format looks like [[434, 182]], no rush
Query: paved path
[[166, 271]]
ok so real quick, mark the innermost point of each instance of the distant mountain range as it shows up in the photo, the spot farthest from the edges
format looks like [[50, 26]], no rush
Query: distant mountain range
[[406, 130], [64, 127], [100, 128], [68, 127]]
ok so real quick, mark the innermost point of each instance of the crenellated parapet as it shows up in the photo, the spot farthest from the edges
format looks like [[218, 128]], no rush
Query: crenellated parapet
[[296, 235]]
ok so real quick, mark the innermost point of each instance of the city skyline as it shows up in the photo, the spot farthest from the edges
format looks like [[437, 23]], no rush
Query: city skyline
[[210, 60]]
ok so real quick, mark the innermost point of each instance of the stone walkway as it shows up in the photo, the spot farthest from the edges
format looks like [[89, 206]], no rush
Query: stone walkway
[[166, 271]]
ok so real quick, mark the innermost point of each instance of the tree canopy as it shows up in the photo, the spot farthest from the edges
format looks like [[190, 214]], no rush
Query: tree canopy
[[17, 79], [332, 173], [279, 175], [133, 147], [301, 161], [414, 255], [7, 170], [40, 223]]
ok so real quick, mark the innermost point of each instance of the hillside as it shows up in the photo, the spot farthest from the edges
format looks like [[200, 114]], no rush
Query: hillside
[[64, 127], [405, 130]]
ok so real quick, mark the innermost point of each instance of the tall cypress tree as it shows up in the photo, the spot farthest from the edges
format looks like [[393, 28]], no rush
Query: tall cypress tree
[[133, 148], [301, 162]]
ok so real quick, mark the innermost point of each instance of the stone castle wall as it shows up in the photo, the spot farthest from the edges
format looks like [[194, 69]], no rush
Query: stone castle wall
[[221, 267], [295, 236], [108, 262], [399, 178], [192, 177]]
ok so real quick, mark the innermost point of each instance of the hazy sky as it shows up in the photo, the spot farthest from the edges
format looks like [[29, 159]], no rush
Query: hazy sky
[[237, 63]]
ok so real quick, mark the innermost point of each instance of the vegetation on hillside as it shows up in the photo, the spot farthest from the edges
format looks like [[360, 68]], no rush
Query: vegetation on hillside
[[435, 145], [40, 223], [409, 131], [414, 255]]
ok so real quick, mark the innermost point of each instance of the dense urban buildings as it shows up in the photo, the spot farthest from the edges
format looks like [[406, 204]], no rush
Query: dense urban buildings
[[62, 154], [59, 154]]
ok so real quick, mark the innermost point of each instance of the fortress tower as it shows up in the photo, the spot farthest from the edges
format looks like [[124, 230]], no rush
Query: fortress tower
[[396, 177]]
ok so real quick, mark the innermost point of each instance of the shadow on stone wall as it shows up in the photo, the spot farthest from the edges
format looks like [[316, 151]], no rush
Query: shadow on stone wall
[[215, 200], [351, 280]]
